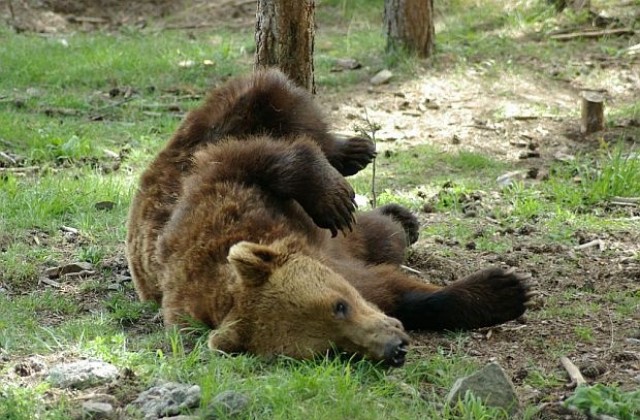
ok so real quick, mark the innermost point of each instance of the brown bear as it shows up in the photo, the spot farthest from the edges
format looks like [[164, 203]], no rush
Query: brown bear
[[236, 224]]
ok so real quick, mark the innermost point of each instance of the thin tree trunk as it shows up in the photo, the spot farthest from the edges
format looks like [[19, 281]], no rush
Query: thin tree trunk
[[409, 25], [285, 32]]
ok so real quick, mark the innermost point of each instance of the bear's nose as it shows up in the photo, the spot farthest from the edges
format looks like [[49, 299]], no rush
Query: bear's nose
[[395, 352]]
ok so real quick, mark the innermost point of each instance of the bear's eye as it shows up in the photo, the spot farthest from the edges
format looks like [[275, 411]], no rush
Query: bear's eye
[[340, 309]]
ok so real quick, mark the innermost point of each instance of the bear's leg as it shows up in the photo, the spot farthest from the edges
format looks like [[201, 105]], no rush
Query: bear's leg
[[488, 297], [380, 236], [297, 171]]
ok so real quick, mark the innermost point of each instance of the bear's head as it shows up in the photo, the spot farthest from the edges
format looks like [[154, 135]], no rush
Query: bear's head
[[286, 302]]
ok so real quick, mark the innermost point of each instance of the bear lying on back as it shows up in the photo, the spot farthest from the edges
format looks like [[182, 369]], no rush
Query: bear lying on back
[[235, 224]]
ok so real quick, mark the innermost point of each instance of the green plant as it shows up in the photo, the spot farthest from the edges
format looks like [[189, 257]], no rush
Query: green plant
[[599, 399], [584, 333], [587, 181]]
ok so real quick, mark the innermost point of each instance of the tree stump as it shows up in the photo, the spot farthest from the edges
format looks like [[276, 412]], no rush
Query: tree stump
[[285, 31], [592, 112]]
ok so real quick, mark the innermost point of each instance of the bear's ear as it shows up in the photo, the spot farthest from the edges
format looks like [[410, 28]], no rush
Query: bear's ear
[[253, 262]]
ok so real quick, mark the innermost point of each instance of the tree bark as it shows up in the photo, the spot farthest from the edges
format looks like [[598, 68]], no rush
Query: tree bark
[[592, 112], [409, 25], [285, 31]]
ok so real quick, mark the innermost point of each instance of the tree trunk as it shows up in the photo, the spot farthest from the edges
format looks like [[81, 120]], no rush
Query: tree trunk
[[285, 32], [409, 25], [592, 112]]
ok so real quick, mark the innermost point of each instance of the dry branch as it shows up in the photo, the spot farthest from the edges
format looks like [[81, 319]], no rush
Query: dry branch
[[7, 158], [593, 34], [630, 200], [410, 270], [574, 373], [596, 242]]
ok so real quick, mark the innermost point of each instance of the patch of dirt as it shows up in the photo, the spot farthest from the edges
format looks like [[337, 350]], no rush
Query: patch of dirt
[[580, 288], [56, 16]]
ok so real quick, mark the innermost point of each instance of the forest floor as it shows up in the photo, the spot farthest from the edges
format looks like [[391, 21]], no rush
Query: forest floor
[[482, 141]]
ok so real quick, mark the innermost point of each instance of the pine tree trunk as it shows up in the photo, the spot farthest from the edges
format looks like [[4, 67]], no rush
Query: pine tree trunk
[[409, 25], [285, 31]]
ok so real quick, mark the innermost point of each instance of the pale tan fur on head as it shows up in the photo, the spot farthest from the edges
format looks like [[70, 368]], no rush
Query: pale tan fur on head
[[293, 304]]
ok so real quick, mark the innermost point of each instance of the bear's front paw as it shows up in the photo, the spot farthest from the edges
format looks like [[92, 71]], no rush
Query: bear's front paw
[[495, 295], [353, 155], [333, 207]]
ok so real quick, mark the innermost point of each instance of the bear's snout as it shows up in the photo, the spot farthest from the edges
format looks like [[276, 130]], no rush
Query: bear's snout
[[395, 351]]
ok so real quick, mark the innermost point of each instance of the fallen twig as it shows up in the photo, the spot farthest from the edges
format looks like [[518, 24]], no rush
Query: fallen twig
[[7, 158], [593, 34], [630, 200], [50, 282], [574, 373], [87, 19], [409, 269], [20, 169], [596, 242], [623, 203]]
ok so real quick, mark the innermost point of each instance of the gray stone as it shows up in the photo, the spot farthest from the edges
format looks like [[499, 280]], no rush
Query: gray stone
[[381, 77], [82, 374], [97, 410], [491, 385], [227, 404], [167, 400]]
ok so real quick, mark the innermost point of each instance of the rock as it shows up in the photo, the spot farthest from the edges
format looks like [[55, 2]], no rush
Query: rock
[[82, 374], [381, 78], [77, 267], [227, 404], [97, 410], [510, 178], [165, 400], [491, 385], [346, 64]]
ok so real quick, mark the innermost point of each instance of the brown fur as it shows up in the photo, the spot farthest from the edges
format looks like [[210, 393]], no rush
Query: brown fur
[[231, 226]]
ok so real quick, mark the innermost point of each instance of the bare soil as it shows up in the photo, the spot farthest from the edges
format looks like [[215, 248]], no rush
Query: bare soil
[[500, 117]]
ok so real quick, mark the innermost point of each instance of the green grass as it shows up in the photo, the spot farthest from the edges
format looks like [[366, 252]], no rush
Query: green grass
[[17, 403], [57, 114]]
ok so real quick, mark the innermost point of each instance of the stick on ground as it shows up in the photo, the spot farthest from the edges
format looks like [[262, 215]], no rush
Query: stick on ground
[[574, 373]]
